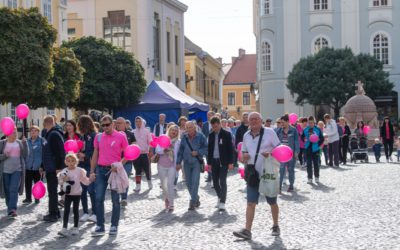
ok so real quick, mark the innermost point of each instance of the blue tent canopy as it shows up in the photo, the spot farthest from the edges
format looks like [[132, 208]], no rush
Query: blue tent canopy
[[163, 97]]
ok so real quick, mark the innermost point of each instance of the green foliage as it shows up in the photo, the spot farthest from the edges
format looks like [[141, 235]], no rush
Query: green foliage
[[329, 76], [26, 40], [68, 75], [113, 78]]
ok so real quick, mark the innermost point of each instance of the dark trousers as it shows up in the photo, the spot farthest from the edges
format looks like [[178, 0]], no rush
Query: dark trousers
[[312, 160], [333, 152], [302, 155], [343, 147], [219, 179], [142, 164], [378, 156], [52, 185], [388, 145], [30, 175], [74, 199]]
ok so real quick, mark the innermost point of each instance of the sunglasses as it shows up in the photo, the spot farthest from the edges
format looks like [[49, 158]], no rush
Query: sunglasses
[[105, 125]]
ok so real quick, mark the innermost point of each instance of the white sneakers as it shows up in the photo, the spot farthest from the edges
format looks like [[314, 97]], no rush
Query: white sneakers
[[316, 180], [84, 218], [217, 205], [137, 188], [75, 231], [64, 232], [150, 184], [309, 181], [93, 218], [222, 206]]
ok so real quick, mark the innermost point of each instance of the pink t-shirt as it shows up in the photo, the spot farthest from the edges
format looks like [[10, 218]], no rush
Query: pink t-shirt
[[110, 147], [387, 131], [78, 175]]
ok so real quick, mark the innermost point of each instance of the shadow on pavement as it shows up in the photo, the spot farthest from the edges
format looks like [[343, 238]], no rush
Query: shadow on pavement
[[295, 197], [322, 187], [5, 222], [221, 218], [191, 217], [277, 244]]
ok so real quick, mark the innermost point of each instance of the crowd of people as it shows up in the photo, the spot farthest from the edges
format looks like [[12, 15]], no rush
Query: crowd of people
[[196, 147]]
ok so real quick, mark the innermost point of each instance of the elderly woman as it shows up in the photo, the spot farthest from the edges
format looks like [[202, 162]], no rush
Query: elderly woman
[[12, 170], [191, 151]]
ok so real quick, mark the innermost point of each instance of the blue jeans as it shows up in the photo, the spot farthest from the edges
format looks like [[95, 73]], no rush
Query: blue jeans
[[11, 187], [128, 170], [84, 198], [102, 175], [192, 175], [290, 166]]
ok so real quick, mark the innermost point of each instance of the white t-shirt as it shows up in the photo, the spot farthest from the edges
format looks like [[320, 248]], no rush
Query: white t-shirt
[[268, 142]]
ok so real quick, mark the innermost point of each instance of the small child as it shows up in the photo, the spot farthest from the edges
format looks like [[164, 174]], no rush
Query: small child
[[70, 179], [398, 148], [377, 149]]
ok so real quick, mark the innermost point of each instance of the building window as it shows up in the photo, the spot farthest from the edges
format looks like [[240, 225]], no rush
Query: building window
[[320, 43], [168, 46], [231, 98], [266, 56], [51, 112], [377, 3], [246, 98], [156, 43], [12, 4], [12, 112], [381, 48], [176, 51], [266, 7], [117, 29], [71, 31], [320, 4], [47, 10]]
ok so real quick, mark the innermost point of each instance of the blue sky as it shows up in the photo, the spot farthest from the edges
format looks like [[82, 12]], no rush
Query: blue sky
[[221, 27]]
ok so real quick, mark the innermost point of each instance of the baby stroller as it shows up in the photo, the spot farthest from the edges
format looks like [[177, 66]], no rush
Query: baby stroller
[[358, 149]]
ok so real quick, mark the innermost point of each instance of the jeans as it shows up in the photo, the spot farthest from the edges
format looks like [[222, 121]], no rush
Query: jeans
[[52, 186], [220, 173], [92, 194], [74, 199], [30, 175], [312, 159], [290, 166], [333, 152], [192, 175], [11, 188], [167, 177], [102, 175], [128, 170]]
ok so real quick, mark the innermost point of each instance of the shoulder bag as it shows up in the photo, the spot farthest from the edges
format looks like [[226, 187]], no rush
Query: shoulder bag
[[200, 159], [250, 172]]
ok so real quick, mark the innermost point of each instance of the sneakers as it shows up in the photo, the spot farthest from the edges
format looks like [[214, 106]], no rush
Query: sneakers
[[197, 205], [191, 206], [217, 205], [244, 234], [275, 231], [98, 231], [222, 206], [93, 218], [50, 218], [290, 189], [113, 230], [84, 218], [63, 232], [316, 180], [137, 188], [309, 181], [150, 184], [12, 214], [26, 201], [390, 159], [75, 231], [124, 203]]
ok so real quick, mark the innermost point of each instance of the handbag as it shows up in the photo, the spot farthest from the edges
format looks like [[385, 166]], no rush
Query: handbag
[[269, 181], [250, 172], [200, 159]]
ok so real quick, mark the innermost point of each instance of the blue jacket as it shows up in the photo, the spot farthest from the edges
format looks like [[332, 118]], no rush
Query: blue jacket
[[199, 144], [34, 157], [205, 130], [315, 145], [53, 150], [88, 150], [293, 139], [377, 148]]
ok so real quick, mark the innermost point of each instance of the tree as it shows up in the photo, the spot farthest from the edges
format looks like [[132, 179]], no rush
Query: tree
[[67, 78], [26, 40], [113, 78], [329, 76]]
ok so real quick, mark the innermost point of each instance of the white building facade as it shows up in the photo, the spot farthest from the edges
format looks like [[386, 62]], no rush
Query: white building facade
[[287, 30]]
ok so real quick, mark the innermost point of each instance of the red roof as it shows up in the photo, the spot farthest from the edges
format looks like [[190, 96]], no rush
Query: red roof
[[243, 70]]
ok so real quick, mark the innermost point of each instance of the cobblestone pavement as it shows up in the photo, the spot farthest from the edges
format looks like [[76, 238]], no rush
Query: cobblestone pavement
[[354, 207]]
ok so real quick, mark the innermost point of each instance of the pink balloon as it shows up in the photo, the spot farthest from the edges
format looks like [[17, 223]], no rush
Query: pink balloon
[[240, 155], [293, 118], [314, 138], [71, 146], [164, 141], [80, 144], [282, 153], [154, 142], [366, 129], [241, 172], [132, 152], [7, 125], [153, 136], [22, 111], [38, 190]]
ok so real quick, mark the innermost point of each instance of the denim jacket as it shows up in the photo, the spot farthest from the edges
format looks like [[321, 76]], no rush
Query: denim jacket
[[34, 157], [293, 139], [199, 144]]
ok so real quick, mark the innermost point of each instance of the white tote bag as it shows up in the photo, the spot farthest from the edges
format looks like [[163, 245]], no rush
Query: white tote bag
[[269, 181]]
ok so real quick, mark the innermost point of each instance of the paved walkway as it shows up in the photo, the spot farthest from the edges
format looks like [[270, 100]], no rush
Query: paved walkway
[[354, 207]]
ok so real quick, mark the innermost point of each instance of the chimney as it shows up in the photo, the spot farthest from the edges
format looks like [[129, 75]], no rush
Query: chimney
[[242, 52], [234, 58], [219, 59]]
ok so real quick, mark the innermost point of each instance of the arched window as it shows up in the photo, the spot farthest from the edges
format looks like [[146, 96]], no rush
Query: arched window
[[320, 43], [380, 48], [265, 56], [266, 7]]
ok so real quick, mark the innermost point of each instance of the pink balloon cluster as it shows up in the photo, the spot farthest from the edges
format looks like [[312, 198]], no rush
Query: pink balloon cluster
[[314, 138], [366, 129], [293, 118], [38, 190], [282, 153], [154, 141], [71, 146], [7, 125], [132, 152]]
